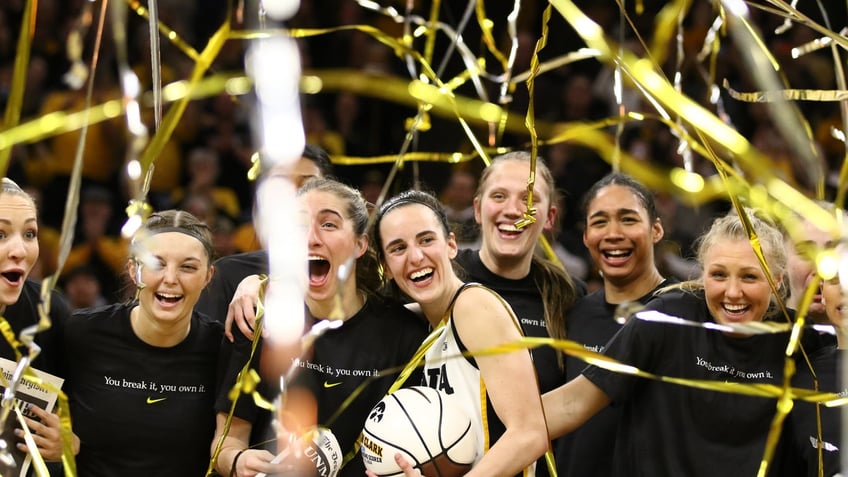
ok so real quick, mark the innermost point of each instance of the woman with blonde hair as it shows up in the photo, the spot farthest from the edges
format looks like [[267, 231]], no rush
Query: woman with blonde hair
[[142, 375], [694, 431], [20, 307]]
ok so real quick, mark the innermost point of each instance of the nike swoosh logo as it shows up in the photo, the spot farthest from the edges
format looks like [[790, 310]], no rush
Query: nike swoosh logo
[[330, 385], [154, 401]]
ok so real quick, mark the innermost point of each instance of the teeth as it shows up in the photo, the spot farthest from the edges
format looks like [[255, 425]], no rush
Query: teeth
[[421, 273], [316, 257], [508, 228], [169, 295], [735, 308], [616, 253]]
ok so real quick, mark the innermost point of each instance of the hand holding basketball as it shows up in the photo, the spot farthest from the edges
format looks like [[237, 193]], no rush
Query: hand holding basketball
[[405, 466], [426, 428]]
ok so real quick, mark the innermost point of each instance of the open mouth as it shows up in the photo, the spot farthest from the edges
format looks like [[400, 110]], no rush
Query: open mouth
[[509, 230], [319, 269], [421, 275], [169, 298], [13, 277], [617, 254], [735, 310]]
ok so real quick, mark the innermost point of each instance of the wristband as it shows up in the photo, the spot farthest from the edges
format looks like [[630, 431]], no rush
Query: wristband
[[235, 461]]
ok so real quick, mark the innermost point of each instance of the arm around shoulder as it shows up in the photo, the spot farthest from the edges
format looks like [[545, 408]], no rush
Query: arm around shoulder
[[570, 405]]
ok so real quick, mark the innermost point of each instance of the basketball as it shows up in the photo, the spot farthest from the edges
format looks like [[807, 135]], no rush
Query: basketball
[[423, 425]]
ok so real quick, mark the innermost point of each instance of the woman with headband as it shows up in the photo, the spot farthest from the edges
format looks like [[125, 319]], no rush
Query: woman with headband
[[141, 375], [413, 240]]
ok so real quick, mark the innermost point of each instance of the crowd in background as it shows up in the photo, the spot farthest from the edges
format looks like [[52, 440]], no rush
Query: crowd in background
[[203, 168]]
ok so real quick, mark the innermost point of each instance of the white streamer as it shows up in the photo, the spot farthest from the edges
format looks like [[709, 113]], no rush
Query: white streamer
[[274, 64]]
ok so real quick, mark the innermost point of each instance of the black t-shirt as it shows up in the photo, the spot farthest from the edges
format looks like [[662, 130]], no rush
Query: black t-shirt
[[588, 451], [526, 301], [801, 426], [229, 272], [24, 313], [671, 430], [140, 410], [381, 336]]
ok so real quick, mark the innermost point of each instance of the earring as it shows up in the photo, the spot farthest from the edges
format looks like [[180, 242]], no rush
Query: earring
[[138, 283]]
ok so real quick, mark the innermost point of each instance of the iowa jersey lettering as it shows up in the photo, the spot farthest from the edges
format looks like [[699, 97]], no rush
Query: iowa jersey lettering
[[437, 378]]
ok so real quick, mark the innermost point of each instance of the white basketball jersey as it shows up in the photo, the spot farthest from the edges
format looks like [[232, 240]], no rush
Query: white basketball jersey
[[446, 370], [460, 380]]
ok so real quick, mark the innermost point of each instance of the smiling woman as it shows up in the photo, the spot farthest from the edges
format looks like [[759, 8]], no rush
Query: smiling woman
[[540, 293], [20, 305], [500, 392], [621, 228], [18, 241], [696, 432], [377, 334], [142, 375], [810, 423]]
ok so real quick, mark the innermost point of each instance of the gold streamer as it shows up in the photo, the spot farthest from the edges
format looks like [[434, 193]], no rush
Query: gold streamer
[[78, 72], [786, 95], [37, 460], [61, 122], [724, 139], [169, 122], [246, 382], [420, 156], [560, 61], [399, 48], [719, 147], [591, 135], [70, 216], [486, 28], [578, 350], [784, 405], [9, 336], [666, 22], [66, 434], [785, 10], [16, 91], [172, 36], [530, 121], [430, 33], [786, 116]]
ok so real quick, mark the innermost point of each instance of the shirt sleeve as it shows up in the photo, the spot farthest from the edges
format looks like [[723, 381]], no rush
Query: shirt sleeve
[[638, 344]]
